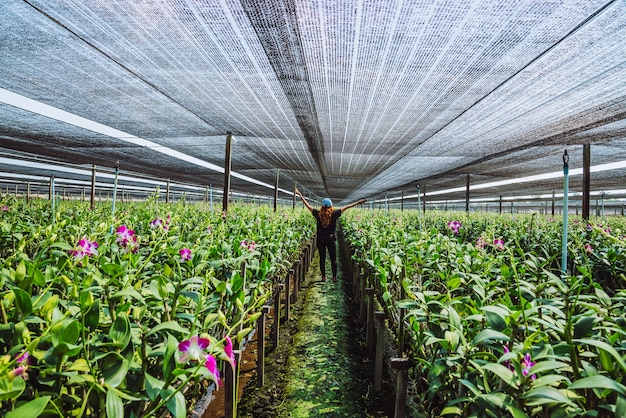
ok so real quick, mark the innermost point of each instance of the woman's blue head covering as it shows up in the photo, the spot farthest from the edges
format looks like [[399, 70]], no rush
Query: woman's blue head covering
[[327, 203]]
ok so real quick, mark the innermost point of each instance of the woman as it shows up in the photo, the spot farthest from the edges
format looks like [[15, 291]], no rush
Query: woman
[[326, 218]]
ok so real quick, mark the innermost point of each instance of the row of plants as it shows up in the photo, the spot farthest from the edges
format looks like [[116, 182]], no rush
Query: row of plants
[[133, 315], [492, 323]]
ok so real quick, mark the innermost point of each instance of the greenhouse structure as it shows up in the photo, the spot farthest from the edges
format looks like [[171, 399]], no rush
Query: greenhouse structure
[[154, 243]]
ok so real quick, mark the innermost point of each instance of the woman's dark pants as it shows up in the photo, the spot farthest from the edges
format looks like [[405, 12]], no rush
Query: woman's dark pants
[[322, 246]]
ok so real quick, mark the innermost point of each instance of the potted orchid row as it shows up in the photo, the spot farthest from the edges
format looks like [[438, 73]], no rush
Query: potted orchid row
[[493, 325], [134, 315]]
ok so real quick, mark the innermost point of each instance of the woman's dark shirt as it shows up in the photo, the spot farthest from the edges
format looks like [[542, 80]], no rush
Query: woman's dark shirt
[[328, 232]]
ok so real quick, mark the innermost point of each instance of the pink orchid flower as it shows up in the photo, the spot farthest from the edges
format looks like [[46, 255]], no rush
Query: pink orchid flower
[[84, 248], [228, 354], [193, 348], [211, 365], [185, 254], [126, 238], [527, 364]]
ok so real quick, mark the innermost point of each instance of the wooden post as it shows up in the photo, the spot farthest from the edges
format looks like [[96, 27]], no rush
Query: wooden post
[[401, 365], [288, 294], [276, 330], [260, 361], [586, 180], [93, 187], [230, 386], [227, 166], [380, 349], [296, 281], [402, 314], [293, 203], [467, 192], [362, 300], [369, 337], [356, 279]]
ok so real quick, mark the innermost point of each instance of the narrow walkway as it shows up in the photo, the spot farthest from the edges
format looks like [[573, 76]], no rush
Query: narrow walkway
[[328, 371]]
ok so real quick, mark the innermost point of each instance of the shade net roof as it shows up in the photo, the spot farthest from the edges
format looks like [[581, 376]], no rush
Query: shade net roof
[[348, 99]]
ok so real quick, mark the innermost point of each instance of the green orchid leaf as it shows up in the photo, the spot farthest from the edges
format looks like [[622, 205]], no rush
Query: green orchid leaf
[[20, 272], [132, 293], [114, 405], [153, 387], [620, 407], [23, 301], [12, 389], [92, 316], [30, 409], [176, 404], [488, 335], [169, 358], [114, 369], [606, 347], [547, 395], [551, 365], [168, 326], [583, 326], [598, 382], [120, 331], [502, 372]]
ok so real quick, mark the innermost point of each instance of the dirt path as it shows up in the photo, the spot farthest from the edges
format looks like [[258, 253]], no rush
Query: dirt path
[[321, 369]]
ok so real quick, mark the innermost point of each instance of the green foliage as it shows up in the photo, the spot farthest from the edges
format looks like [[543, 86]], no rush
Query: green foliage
[[494, 328], [103, 330]]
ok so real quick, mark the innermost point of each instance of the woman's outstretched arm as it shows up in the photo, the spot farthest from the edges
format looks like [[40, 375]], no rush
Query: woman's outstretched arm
[[308, 206], [353, 204]]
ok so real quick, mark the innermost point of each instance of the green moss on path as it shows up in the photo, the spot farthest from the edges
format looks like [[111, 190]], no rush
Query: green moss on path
[[327, 372]]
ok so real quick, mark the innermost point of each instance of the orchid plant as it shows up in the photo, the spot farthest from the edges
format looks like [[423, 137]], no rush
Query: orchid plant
[[101, 319], [491, 323]]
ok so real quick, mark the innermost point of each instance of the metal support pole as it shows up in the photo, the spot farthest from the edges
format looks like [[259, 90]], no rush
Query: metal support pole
[[602, 206], [93, 187], [167, 192], [419, 203], [586, 179], [565, 206], [276, 191], [553, 202], [227, 166], [117, 172], [467, 192], [52, 196], [210, 197]]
